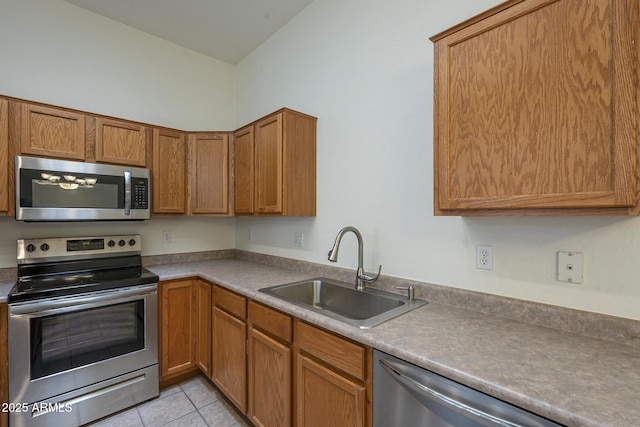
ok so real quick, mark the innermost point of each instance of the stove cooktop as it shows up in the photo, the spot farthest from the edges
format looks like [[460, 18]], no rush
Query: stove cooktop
[[72, 283], [55, 267]]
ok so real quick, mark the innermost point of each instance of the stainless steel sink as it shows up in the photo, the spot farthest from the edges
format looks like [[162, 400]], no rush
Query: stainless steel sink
[[343, 302]]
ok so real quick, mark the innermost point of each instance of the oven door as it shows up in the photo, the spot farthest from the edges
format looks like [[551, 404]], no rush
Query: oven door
[[59, 190], [62, 344]]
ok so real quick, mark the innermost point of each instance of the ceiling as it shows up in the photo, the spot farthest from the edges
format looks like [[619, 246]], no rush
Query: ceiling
[[227, 30]]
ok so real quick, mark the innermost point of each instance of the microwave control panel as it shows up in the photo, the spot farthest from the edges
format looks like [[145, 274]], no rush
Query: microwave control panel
[[140, 193]]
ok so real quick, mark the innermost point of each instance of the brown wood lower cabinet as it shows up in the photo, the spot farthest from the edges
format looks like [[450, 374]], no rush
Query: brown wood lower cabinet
[[276, 369], [270, 369], [203, 327], [333, 379], [327, 398], [177, 330], [230, 346]]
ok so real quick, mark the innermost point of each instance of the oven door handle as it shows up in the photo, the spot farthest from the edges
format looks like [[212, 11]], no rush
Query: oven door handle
[[84, 301]]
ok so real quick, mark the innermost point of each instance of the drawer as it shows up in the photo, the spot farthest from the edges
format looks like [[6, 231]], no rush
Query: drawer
[[271, 321], [230, 302], [332, 349]]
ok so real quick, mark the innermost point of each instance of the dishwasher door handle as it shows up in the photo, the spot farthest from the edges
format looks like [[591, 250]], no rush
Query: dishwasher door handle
[[432, 394]]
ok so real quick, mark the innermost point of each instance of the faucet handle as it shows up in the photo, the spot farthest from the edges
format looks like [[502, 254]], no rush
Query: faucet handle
[[369, 279]]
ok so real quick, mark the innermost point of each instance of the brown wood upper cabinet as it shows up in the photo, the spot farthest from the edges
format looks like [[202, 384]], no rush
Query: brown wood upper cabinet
[[52, 132], [169, 172], [243, 140], [208, 159], [4, 157], [536, 110], [120, 142], [275, 170]]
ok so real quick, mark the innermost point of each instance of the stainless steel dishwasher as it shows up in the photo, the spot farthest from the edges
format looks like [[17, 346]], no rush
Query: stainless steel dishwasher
[[405, 395]]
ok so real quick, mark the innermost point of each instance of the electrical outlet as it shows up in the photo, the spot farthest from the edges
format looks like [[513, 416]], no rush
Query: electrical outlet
[[166, 237], [249, 234], [569, 268], [298, 239], [484, 257]]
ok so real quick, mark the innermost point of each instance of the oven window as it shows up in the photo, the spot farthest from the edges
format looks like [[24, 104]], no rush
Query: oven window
[[65, 341], [47, 189]]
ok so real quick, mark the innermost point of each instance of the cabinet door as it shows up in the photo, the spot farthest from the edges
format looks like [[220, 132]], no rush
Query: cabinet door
[[527, 113], [269, 381], [230, 357], [121, 142], [4, 157], [209, 173], [49, 132], [325, 398], [268, 179], [243, 147], [178, 327], [203, 327], [169, 172]]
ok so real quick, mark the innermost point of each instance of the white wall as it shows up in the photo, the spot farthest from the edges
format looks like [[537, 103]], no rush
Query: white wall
[[365, 69], [57, 53]]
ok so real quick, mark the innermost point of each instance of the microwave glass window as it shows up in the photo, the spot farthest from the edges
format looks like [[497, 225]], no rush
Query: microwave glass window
[[46, 189]]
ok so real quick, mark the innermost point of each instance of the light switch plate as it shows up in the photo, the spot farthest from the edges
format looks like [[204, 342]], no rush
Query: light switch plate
[[570, 266]]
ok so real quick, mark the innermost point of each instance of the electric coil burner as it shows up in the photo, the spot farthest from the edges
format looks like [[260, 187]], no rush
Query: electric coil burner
[[82, 330]]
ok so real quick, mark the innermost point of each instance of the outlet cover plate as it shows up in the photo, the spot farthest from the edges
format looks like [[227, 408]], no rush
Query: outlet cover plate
[[570, 266], [484, 257]]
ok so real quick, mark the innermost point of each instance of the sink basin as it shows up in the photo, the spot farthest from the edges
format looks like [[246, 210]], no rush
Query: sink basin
[[341, 301]]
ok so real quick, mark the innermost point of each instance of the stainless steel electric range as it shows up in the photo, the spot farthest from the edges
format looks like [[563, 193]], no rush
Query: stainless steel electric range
[[83, 334]]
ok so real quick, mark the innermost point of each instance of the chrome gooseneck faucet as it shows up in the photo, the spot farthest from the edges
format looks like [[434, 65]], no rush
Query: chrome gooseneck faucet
[[361, 278]]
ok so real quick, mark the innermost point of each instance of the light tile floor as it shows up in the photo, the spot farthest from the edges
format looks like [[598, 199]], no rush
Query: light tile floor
[[191, 403]]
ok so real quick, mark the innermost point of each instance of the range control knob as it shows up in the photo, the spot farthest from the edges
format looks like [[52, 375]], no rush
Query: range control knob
[[111, 243], [31, 247], [122, 243], [44, 247], [132, 242]]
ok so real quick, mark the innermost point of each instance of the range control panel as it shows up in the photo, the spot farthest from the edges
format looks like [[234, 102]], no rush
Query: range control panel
[[35, 250]]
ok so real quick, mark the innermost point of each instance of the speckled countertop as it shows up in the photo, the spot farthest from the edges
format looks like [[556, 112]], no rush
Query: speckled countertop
[[572, 379], [569, 378]]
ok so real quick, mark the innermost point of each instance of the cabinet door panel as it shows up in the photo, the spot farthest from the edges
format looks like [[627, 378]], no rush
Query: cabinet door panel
[[230, 357], [269, 381], [121, 143], [204, 318], [269, 165], [528, 114], [51, 132], [178, 327], [169, 170], [325, 398], [243, 146], [209, 170], [4, 156]]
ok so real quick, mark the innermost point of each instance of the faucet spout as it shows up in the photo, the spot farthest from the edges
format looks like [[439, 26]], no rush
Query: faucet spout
[[361, 277]]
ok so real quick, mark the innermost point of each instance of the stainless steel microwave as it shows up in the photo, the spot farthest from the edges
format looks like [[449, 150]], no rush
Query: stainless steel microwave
[[60, 190]]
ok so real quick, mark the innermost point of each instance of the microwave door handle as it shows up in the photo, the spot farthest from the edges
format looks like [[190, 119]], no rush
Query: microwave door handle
[[127, 193]]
